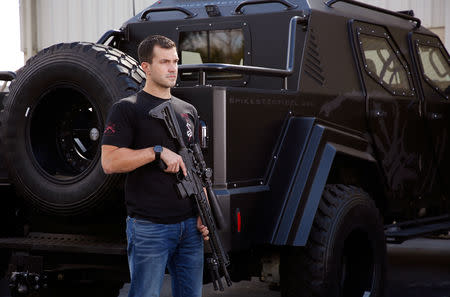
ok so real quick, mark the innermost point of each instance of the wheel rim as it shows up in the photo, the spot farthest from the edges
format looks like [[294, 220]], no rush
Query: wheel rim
[[64, 133]]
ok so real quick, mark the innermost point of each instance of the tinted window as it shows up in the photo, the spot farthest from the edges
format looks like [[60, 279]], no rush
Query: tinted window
[[219, 46], [382, 63], [435, 67]]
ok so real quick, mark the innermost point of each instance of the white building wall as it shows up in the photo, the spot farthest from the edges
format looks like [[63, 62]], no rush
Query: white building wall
[[429, 11], [447, 25], [46, 22], [432, 13]]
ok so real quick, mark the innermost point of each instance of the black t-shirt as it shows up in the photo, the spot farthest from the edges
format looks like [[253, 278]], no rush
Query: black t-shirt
[[149, 192]]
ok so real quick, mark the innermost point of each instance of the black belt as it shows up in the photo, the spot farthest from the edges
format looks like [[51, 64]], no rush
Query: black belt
[[138, 217]]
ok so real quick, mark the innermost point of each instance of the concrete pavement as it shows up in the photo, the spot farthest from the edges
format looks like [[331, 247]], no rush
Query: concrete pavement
[[417, 268]]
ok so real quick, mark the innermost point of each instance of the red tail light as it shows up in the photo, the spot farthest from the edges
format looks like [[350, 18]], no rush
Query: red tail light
[[238, 220]]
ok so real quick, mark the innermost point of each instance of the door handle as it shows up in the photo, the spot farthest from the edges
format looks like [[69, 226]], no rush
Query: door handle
[[379, 114], [434, 116]]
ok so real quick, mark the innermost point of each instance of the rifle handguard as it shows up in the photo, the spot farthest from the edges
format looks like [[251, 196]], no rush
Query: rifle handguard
[[198, 178]]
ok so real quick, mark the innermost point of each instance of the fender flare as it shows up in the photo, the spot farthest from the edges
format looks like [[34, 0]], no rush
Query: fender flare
[[302, 163]]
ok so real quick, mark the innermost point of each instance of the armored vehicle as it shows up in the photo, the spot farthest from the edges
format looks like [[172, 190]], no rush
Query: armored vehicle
[[325, 125]]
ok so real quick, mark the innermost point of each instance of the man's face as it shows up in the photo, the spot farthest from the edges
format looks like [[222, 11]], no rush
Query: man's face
[[164, 67]]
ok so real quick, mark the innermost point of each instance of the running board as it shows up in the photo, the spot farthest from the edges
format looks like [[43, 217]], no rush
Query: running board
[[69, 243], [397, 233]]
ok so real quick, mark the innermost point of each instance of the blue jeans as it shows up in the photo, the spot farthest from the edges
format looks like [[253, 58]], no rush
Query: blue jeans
[[152, 247]]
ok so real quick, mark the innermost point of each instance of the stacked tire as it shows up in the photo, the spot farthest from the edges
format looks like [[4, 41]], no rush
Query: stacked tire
[[52, 123]]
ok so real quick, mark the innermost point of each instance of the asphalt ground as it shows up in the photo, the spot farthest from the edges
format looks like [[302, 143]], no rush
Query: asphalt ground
[[416, 268], [419, 268]]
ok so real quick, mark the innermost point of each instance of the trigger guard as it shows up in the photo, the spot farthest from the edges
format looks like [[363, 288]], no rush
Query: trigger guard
[[180, 175]]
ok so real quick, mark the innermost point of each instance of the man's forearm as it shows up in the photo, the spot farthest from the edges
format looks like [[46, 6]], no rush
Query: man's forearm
[[122, 160]]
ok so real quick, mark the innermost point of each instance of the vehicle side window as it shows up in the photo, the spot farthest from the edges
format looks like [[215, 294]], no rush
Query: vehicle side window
[[435, 67], [382, 59], [383, 64], [214, 46]]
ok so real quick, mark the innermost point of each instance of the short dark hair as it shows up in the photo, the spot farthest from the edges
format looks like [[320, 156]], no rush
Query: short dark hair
[[145, 49]]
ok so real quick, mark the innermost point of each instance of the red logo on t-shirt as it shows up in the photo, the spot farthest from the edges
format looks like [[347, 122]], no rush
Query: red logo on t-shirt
[[110, 129]]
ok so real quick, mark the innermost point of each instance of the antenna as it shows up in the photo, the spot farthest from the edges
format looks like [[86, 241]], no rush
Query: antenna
[[134, 7]]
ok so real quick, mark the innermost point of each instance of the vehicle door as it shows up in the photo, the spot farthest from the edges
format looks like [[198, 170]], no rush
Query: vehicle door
[[433, 68], [393, 115]]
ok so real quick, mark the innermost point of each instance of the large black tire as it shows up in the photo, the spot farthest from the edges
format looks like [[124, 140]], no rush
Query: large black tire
[[52, 123], [346, 251]]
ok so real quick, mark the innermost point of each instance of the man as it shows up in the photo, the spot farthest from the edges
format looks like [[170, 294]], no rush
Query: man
[[162, 229]]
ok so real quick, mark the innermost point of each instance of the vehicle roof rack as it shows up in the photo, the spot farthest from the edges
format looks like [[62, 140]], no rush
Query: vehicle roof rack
[[7, 75], [188, 13], [289, 5], [356, 3], [407, 12]]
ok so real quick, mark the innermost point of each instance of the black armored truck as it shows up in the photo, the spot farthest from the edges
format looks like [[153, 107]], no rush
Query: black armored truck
[[325, 125]]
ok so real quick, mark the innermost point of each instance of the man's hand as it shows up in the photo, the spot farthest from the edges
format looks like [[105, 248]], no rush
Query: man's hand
[[202, 229], [173, 161]]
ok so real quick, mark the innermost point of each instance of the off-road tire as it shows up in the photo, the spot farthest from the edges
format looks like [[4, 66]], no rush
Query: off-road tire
[[345, 255], [45, 117]]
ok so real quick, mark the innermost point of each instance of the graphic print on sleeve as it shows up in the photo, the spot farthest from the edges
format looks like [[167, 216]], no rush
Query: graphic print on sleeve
[[189, 131], [110, 129]]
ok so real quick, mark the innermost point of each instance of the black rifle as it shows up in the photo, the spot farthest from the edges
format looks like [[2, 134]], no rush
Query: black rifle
[[192, 186]]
